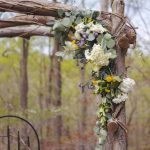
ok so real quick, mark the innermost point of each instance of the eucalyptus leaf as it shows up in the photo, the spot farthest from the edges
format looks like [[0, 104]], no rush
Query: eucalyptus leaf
[[103, 43], [91, 37], [78, 20], [66, 22], [58, 26], [110, 43], [107, 36], [113, 53], [99, 39], [96, 130], [72, 18], [103, 132], [60, 12], [67, 14]]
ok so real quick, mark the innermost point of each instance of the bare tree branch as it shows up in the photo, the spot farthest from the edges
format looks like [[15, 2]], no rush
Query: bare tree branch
[[33, 7], [25, 31], [26, 20]]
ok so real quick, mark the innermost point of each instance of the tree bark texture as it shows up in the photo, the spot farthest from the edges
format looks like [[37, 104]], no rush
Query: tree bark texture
[[33, 7], [104, 5], [26, 20], [119, 138], [56, 82], [83, 102], [24, 75], [25, 32]]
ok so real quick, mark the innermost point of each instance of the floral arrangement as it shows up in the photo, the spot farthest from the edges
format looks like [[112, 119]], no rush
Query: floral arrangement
[[86, 39]]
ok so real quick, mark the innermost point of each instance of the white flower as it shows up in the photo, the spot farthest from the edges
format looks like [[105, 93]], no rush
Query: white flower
[[70, 46], [77, 35], [127, 85], [87, 55], [120, 98], [80, 27], [90, 24], [97, 57], [98, 28]]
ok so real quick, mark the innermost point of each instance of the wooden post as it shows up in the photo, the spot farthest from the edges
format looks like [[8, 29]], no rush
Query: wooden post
[[120, 139]]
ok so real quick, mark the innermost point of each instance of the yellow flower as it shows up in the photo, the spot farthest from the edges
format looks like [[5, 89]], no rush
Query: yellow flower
[[76, 46], [94, 82], [89, 20], [73, 42], [107, 90], [109, 78]]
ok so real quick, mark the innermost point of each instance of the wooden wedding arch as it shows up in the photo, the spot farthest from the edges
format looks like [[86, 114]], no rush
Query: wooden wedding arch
[[36, 17]]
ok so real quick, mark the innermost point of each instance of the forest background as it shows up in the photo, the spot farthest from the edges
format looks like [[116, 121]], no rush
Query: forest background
[[36, 85]]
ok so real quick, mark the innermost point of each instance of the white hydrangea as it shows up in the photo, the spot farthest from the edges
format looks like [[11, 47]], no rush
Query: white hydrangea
[[97, 57], [98, 28], [120, 98], [80, 27], [127, 85]]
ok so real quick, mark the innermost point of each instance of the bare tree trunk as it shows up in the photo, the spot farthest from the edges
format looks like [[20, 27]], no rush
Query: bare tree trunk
[[57, 121], [83, 101], [24, 84], [120, 139], [24, 76]]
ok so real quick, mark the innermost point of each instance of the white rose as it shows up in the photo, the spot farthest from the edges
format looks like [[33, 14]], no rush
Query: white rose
[[127, 85]]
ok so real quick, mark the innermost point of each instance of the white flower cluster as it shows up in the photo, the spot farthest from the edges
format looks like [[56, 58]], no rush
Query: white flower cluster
[[91, 27], [97, 28], [120, 98], [126, 86], [80, 27], [97, 57]]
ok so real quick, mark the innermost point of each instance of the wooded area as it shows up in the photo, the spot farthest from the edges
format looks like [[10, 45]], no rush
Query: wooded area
[[35, 84]]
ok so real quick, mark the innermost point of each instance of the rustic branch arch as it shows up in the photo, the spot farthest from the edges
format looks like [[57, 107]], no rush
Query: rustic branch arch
[[35, 18]]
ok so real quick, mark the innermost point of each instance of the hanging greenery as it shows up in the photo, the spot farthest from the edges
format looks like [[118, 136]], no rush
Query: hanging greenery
[[87, 39]]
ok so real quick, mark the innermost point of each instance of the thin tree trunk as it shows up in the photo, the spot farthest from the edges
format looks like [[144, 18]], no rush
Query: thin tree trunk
[[83, 101], [24, 84], [120, 139], [57, 121], [24, 76]]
